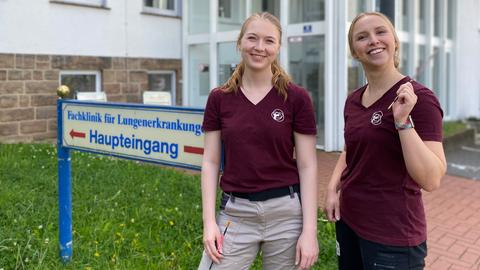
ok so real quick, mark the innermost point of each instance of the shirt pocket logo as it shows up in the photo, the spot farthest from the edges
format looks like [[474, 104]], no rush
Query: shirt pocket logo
[[376, 118], [278, 115]]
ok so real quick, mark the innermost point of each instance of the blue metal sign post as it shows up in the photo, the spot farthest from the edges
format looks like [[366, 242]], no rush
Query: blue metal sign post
[[64, 194], [165, 135]]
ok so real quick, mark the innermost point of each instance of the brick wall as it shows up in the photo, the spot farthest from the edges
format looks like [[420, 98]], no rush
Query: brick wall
[[28, 86]]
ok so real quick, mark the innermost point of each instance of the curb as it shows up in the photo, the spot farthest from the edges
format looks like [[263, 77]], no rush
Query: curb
[[457, 140]]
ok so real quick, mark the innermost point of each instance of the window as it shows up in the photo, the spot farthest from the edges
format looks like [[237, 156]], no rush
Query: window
[[307, 11], [199, 73], [225, 9], [404, 55], [422, 64], [162, 81], [438, 79], [355, 7], [437, 17], [271, 6], [307, 66], [162, 7], [81, 81], [422, 17], [227, 60], [198, 16], [386, 7], [93, 3], [405, 22], [230, 15], [451, 19]]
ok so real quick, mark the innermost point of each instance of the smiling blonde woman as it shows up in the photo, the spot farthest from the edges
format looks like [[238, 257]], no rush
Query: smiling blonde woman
[[259, 117], [374, 194]]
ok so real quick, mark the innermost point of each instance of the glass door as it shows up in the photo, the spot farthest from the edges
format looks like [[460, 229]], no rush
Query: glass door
[[199, 74], [307, 67]]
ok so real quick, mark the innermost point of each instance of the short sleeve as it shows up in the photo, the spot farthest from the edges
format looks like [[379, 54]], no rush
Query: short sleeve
[[211, 117], [427, 116], [304, 116]]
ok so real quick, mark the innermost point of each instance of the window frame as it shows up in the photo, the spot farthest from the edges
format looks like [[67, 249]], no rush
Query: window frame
[[173, 91], [84, 3], [98, 77], [159, 11]]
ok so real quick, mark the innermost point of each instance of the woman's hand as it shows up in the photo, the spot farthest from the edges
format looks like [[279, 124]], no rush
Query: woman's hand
[[213, 241], [405, 101], [332, 205], [307, 250]]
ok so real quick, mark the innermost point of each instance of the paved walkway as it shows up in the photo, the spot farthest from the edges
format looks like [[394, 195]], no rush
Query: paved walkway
[[453, 222], [453, 219]]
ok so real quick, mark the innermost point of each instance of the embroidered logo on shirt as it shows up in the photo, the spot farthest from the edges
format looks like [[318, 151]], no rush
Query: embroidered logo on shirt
[[376, 118], [278, 115]]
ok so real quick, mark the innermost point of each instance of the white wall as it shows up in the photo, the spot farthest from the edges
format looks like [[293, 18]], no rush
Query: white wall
[[468, 59], [41, 27]]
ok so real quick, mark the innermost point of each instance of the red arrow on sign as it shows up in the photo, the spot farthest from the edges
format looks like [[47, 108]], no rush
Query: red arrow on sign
[[74, 134], [193, 150]]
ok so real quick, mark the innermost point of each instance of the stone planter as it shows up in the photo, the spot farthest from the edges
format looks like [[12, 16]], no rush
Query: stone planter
[[474, 123]]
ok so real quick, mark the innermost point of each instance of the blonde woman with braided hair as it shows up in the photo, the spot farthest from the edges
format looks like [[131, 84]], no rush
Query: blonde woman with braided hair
[[260, 117]]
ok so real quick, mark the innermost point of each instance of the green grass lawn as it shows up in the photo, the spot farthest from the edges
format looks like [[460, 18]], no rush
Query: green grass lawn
[[453, 127], [126, 214]]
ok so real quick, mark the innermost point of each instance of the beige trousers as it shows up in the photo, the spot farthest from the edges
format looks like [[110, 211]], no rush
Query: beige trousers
[[272, 227]]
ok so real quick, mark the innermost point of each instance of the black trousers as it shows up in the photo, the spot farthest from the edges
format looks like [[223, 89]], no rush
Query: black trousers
[[356, 253]]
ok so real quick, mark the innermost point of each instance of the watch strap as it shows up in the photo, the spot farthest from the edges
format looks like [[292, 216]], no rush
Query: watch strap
[[407, 125]]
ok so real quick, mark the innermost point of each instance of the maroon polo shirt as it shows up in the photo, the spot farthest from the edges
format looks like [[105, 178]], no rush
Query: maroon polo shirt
[[379, 200], [258, 139]]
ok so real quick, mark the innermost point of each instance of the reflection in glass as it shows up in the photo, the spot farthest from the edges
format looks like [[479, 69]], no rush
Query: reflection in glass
[[163, 82], [404, 21], [355, 7], [161, 4], [78, 83], [450, 18], [199, 69], [437, 18], [356, 77], [160, 81], [228, 58], [404, 50], [306, 66], [271, 6], [387, 7], [422, 17], [448, 96], [436, 73], [231, 14], [198, 16], [422, 64], [307, 10]]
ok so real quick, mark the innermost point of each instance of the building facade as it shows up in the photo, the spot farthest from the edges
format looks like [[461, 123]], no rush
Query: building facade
[[440, 41], [120, 48], [187, 48]]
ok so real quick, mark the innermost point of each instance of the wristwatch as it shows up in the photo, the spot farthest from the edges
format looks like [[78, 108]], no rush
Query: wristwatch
[[407, 125]]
